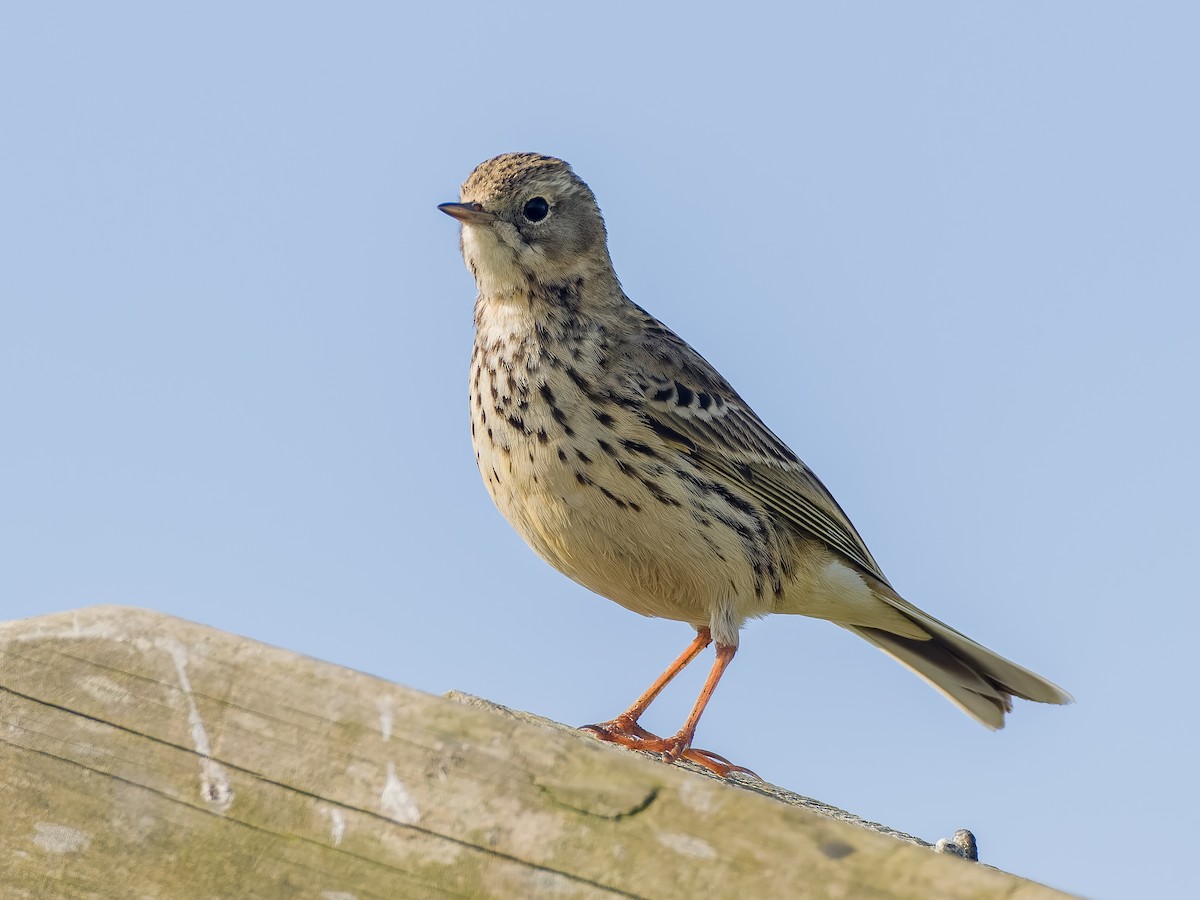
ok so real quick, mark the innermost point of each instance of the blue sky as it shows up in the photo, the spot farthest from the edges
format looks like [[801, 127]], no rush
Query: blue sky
[[947, 251]]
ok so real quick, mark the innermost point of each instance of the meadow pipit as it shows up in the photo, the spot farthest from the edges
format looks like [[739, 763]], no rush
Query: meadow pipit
[[631, 466]]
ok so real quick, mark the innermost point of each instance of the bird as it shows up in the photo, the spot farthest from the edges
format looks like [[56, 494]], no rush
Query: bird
[[630, 464]]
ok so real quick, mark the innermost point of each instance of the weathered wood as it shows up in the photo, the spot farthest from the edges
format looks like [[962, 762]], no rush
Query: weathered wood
[[143, 756]]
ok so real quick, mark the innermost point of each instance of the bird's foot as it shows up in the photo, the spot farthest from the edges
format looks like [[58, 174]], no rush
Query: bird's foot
[[625, 731], [714, 762], [622, 730]]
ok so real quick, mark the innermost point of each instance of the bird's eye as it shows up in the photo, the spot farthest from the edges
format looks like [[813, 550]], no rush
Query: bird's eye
[[536, 209]]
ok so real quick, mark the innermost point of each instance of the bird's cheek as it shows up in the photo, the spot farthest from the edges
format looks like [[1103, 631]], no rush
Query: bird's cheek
[[532, 258]]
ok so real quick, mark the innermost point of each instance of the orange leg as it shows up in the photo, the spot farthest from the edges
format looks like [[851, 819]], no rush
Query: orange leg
[[626, 724], [626, 731]]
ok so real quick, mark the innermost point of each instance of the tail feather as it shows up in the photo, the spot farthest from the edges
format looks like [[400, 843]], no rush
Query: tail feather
[[979, 681]]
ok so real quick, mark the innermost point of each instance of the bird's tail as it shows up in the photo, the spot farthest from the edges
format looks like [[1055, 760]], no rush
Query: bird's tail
[[979, 681]]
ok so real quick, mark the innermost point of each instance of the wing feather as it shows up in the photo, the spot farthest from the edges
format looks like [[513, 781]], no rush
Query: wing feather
[[689, 404]]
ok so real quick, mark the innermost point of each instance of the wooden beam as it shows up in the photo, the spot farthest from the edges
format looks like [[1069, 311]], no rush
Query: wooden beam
[[145, 756]]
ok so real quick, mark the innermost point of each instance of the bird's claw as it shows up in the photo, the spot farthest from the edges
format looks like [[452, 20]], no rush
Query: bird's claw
[[716, 763], [628, 733]]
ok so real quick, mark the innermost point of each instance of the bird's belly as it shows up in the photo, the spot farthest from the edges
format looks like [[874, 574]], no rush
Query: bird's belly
[[639, 547]]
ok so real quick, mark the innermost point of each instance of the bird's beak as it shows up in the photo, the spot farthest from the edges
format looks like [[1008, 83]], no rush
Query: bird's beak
[[467, 213]]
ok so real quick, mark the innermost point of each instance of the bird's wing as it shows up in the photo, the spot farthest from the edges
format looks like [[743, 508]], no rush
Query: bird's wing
[[687, 403]]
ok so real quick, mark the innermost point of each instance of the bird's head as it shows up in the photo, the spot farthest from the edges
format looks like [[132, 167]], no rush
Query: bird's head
[[529, 221]]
